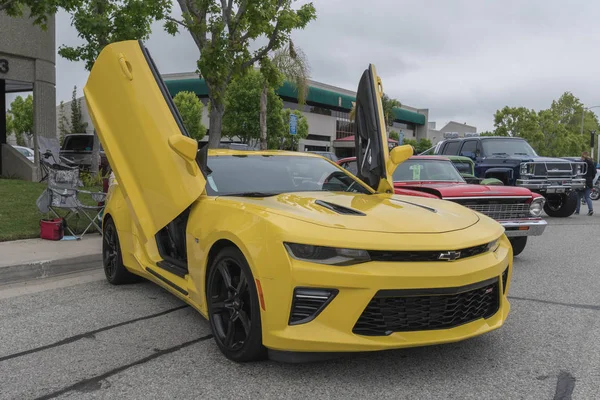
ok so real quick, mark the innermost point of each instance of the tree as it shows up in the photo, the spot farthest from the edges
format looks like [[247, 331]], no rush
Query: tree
[[519, 122], [242, 109], [284, 140], [291, 63], [101, 22], [388, 104], [21, 111], [9, 124], [487, 133], [77, 124], [190, 107], [223, 31], [394, 135], [63, 122], [39, 10]]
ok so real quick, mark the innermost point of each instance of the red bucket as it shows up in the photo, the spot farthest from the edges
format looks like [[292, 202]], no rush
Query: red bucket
[[52, 229]]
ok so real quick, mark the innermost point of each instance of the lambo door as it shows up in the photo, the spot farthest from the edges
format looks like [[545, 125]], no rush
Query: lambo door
[[372, 152], [152, 155]]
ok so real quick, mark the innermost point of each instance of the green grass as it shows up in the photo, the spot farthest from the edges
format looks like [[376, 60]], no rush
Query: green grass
[[19, 215]]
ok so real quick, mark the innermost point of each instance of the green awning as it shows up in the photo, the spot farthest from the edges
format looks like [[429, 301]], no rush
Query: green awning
[[315, 95]]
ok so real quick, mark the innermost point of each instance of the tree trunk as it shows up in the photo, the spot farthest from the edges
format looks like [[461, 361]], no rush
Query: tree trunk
[[263, 118], [215, 124]]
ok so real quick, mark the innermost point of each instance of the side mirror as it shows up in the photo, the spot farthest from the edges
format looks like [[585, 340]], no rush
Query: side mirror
[[399, 154], [186, 148]]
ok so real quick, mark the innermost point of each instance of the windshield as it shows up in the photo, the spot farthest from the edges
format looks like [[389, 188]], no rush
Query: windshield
[[508, 147], [426, 170], [267, 175]]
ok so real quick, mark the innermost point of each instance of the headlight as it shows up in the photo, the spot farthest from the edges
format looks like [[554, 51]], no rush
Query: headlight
[[526, 169], [536, 207], [326, 255], [493, 246]]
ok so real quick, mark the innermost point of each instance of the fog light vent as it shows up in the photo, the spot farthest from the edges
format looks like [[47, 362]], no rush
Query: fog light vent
[[504, 280], [308, 303]]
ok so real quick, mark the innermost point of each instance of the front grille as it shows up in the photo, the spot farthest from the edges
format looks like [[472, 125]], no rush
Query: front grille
[[552, 170], [423, 256], [428, 309], [501, 211], [307, 303]]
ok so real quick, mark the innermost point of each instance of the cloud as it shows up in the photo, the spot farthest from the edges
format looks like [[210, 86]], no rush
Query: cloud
[[461, 59]]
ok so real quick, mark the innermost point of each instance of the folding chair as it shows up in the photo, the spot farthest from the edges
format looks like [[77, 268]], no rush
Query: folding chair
[[49, 152], [63, 193]]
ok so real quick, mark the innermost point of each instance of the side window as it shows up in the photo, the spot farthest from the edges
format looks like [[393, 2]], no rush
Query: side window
[[451, 148], [470, 146], [351, 167]]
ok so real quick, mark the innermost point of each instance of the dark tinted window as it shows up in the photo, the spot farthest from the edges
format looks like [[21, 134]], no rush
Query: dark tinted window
[[79, 143], [451, 148], [507, 147], [470, 146], [276, 174]]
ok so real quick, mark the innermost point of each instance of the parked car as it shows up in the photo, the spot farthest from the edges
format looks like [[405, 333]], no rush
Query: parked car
[[77, 147], [517, 209], [26, 151], [280, 267], [515, 163], [466, 168], [326, 154]]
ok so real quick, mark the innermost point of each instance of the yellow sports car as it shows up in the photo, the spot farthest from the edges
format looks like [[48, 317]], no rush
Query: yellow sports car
[[286, 254]]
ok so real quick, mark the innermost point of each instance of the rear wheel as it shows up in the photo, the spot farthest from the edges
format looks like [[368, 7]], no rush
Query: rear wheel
[[518, 244], [561, 205], [595, 193], [115, 271], [233, 307]]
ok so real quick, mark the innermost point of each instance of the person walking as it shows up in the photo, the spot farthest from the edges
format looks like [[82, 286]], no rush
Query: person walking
[[590, 174]]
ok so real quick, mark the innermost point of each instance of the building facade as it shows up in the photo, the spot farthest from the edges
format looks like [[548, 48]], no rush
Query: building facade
[[451, 129], [27, 64]]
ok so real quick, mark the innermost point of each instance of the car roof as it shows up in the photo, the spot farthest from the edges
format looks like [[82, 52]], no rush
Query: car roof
[[439, 158], [482, 137]]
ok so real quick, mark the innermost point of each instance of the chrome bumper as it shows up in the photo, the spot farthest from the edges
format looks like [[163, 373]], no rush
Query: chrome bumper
[[554, 185], [524, 227]]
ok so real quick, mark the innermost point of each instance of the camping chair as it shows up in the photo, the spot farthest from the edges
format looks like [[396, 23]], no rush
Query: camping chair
[[49, 154], [63, 193]]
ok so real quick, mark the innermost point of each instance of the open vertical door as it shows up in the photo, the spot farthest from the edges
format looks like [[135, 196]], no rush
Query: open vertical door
[[372, 153], [149, 150]]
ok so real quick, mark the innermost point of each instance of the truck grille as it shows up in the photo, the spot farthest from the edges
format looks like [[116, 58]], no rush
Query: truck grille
[[428, 309], [554, 170], [501, 211]]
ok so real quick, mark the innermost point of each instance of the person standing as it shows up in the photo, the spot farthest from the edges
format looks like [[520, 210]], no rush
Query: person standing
[[590, 174]]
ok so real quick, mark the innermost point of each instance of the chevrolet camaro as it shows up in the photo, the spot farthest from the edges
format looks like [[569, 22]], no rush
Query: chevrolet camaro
[[286, 254]]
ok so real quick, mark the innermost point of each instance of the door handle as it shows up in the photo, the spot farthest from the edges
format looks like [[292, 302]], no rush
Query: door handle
[[125, 67]]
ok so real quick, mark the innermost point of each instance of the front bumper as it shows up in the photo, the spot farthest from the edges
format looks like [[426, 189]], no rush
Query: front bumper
[[553, 185], [332, 329], [524, 227]]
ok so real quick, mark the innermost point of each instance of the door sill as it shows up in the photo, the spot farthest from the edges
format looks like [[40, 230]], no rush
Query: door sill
[[168, 282], [172, 268]]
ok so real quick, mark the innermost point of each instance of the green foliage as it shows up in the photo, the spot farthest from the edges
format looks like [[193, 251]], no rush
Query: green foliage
[[394, 135], [190, 108], [39, 10], [388, 105], [90, 180], [487, 133], [554, 132], [21, 111], [242, 109], [77, 124], [223, 32], [292, 63], [63, 122], [284, 140], [420, 146], [101, 22]]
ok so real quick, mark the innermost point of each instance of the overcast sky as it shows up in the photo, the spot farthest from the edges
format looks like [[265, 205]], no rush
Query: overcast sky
[[461, 59]]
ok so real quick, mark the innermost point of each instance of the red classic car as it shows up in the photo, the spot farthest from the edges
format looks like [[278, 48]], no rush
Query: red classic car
[[518, 209]]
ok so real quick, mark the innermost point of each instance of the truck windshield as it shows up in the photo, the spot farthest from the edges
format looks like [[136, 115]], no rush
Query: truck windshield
[[507, 147]]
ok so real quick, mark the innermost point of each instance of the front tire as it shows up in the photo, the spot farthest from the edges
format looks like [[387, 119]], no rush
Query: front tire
[[561, 205], [518, 244], [233, 307], [112, 259], [595, 193]]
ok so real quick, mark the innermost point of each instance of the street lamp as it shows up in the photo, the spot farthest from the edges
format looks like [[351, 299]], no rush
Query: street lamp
[[582, 115]]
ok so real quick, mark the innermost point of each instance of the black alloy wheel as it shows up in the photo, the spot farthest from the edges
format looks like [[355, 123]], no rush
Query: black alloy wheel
[[561, 205], [233, 307], [115, 271]]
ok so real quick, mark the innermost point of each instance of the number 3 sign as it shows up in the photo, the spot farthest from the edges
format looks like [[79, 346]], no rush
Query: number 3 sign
[[3, 66]]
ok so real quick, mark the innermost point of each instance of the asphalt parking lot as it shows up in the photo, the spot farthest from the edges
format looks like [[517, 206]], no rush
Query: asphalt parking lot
[[80, 338]]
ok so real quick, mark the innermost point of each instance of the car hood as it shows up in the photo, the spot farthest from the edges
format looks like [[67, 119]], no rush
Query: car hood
[[449, 190], [514, 159], [374, 213]]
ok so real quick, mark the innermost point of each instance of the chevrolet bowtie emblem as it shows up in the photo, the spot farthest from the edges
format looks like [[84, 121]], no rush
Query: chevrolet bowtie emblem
[[449, 255]]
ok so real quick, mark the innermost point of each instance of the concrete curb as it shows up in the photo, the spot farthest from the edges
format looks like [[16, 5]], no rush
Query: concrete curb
[[49, 268]]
